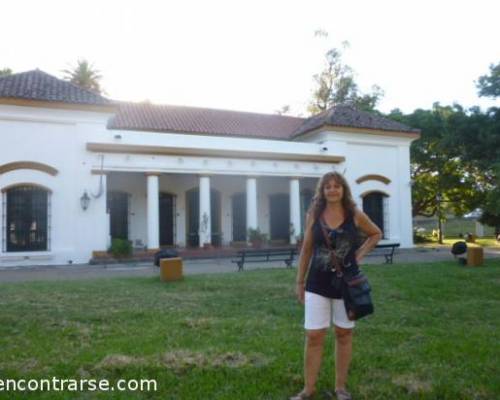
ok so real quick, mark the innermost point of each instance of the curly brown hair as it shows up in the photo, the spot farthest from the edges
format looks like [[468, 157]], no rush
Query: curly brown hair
[[318, 203]]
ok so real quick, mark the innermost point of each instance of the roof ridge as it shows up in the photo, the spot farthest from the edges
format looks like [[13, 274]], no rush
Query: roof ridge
[[209, 109]]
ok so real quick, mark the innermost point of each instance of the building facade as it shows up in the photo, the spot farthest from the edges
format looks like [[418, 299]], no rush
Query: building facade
[[77, 169]]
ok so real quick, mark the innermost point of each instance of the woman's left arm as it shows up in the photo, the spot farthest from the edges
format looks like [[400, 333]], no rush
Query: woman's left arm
[[369, 229]]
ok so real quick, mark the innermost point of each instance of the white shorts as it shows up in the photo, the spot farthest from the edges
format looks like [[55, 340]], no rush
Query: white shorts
[[320, 311]]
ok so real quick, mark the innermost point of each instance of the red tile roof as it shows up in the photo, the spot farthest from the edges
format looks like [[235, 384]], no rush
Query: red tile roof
[[38, 85], [165, 118]]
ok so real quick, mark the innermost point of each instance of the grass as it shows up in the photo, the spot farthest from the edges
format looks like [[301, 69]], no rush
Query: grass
[[435, 335]]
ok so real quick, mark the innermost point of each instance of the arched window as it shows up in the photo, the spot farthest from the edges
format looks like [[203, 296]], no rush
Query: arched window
[[27, 218], [375, 205]]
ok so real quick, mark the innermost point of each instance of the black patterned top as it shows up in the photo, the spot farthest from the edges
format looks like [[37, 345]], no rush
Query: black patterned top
[[322, 276]]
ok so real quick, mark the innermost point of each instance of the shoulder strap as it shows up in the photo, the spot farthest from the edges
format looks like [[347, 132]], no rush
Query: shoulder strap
[[333, 257]]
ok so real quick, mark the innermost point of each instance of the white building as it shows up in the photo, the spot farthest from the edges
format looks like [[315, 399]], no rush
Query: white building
[[178, 176]]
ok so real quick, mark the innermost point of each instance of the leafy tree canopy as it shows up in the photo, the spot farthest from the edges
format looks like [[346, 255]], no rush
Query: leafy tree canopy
[[335, 84], [489, 85]]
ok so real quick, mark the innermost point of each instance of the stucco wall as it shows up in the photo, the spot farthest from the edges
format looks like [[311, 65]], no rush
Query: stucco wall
[[59, 138]]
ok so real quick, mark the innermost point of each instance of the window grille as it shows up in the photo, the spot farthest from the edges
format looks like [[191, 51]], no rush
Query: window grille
[[27, 216]]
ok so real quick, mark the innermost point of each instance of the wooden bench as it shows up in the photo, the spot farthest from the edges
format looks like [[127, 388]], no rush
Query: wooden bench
[[265, 255], [386, 250]]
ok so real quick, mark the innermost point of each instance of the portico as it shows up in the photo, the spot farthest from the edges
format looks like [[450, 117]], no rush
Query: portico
[[156, 210]]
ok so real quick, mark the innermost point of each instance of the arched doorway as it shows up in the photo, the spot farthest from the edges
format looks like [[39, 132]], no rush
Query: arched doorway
[[373, 206], [193, 217]]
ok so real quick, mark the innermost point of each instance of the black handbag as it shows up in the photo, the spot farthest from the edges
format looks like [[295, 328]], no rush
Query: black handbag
[[357, 298], [355, 290]]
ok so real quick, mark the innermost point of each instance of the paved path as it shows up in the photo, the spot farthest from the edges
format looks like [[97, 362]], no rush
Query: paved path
[[191, 267]]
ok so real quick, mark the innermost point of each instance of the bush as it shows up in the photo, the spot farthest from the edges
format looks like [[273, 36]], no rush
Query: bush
[[419, 236], [120, 248], [255, 235]]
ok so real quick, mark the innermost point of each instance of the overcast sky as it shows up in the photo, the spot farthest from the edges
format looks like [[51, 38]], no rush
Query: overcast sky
[[258, 55]]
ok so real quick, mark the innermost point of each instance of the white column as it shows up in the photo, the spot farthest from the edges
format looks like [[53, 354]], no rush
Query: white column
[[405, 231], [252, 203], [294, 209], [153, 212], [205, 228]]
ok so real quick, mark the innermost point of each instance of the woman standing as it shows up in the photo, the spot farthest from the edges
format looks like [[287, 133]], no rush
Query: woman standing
[[334, 213]]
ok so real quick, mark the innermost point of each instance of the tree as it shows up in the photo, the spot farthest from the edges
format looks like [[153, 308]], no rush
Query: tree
[[489, 85], [483, 147], [85, 76], [442, 182], [455, 165], [5, 72], [335, 85]]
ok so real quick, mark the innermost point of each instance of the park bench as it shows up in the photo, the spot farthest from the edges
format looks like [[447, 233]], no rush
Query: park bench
[[265, 255], [386, 250]]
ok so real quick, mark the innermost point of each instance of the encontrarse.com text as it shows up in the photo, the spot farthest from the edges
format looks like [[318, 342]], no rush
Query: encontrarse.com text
[[77, 385]]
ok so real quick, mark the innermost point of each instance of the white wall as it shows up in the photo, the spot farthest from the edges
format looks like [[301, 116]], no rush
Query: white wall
[[56, 138], [59, 137]]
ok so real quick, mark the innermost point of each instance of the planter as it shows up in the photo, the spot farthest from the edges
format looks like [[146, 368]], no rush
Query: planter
[[257, 244]]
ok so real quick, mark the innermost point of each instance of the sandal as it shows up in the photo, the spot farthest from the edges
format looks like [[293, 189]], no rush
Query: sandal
[[302, 396], [343, 394], [340, 394]]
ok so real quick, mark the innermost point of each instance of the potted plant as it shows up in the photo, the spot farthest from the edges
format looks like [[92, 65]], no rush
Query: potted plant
[[256, 237], [120, 248]]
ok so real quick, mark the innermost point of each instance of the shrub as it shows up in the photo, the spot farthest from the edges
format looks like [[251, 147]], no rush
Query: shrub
[[255, 235], [120, 248], [419, 236]]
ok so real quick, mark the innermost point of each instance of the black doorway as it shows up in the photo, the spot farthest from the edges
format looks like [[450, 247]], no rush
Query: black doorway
[[373, 206], [239, 212], [280, 217], [167, 220], [118, 214]]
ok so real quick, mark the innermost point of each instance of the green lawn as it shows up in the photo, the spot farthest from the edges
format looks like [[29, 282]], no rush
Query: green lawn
[[435, 335]]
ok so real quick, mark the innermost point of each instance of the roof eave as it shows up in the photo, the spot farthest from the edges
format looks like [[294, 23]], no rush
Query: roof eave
[[414, 134], [17, 101]]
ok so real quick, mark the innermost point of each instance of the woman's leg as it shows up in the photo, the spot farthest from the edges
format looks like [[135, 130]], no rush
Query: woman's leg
[[313, 352], [343, 355], [318, 315]]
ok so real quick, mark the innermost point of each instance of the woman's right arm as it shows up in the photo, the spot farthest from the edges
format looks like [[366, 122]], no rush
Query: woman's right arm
[[304, 259]]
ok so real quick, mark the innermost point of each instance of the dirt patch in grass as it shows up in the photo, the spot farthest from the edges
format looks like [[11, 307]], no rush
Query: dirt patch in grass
[[23, 366], [197, 323], [182, 360], [412, 384], [120, 361]]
